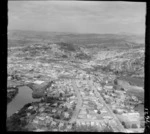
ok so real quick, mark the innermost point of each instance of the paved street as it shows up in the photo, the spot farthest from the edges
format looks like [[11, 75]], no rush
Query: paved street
[[82, 117]]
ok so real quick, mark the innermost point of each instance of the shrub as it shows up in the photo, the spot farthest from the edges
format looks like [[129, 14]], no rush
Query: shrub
[[66, 46], [83, 56]]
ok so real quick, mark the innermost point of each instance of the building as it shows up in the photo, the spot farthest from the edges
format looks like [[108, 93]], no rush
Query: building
[[132, 119]]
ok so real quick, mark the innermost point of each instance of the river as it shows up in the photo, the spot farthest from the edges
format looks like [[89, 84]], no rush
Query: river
[[23, 97]]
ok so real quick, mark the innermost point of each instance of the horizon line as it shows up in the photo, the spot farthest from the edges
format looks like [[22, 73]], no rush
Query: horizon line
[[123, 33]]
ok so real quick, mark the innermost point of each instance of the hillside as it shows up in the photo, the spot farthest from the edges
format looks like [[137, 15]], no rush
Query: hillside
[[74, 77], [18, 37]]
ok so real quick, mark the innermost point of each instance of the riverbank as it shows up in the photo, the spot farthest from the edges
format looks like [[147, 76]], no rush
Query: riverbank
[[133, 81], [23, 96]]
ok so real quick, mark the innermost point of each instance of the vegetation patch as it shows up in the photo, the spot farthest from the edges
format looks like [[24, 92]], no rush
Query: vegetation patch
[[11, 93]]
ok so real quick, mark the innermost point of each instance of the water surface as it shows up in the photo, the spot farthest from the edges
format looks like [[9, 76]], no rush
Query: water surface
[[23, 97], [133, 81], [140, 109]]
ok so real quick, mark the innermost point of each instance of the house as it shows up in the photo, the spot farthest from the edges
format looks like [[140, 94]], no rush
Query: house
[[131, 119]]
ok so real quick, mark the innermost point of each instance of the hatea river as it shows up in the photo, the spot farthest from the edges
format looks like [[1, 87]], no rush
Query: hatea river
[[23, 97]]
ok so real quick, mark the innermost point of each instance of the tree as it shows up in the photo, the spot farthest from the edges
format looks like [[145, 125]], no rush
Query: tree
[[115, 82]]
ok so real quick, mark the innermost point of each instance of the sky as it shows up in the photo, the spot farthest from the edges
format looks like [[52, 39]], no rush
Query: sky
[[77, 16]]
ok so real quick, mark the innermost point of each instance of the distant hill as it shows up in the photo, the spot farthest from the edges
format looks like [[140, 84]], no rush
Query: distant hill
[[89, 40]]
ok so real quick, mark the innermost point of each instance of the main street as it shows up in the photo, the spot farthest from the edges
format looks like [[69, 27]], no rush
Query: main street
[[112, 121]]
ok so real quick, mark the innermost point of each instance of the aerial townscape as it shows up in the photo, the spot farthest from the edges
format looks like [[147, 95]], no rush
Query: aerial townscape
[[76, 66], [75, 82]]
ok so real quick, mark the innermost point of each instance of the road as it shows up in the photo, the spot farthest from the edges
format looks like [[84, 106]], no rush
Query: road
[[120, 127], [115, 123], [79, 103]]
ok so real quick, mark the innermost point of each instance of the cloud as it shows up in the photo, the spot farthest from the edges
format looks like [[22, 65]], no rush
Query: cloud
[[77, 15]]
